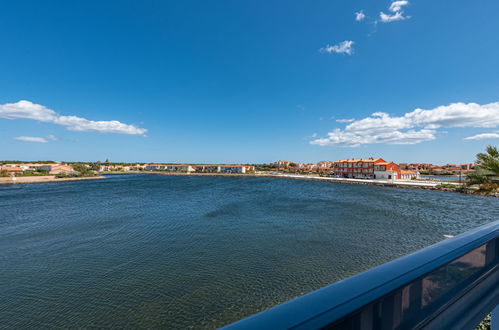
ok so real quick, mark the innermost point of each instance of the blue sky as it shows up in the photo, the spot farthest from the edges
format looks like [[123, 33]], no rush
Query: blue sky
[[248, 81]]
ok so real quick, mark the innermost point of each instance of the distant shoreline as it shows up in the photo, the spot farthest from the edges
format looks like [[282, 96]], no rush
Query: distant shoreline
[[425, 185]]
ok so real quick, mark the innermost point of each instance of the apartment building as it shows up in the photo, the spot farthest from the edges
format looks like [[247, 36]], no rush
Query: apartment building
[[358, 168]]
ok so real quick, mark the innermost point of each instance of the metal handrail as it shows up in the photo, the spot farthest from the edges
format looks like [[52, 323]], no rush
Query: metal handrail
[[451, 284]]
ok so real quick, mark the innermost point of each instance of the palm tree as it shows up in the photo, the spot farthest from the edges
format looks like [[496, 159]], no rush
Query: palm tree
[[487, 170]]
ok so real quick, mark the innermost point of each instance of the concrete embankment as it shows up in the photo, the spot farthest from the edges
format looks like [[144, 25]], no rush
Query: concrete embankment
[[41, 179], [405, 184]]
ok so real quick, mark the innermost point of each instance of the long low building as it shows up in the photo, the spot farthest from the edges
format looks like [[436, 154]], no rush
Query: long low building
[[204, 168], [55, 168]]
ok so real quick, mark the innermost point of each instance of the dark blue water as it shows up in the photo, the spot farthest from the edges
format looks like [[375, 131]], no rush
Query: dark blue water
[[176, 252]]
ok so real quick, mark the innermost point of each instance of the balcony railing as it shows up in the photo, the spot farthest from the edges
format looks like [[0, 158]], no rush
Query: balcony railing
[[453, 284]]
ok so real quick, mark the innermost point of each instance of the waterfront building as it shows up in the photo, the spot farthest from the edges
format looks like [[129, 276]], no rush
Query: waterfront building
[[54, 168], [61, 168], [366, 168], [202, 168], [409, 175], [358, 168], [38, 167], [416, 167], [325, 164], [235, 168], [386, 171], [282, 163], [206, 168], [170, 167]]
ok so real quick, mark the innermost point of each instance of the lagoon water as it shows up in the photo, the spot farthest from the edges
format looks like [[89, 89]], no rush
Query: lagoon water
[[174, 252]]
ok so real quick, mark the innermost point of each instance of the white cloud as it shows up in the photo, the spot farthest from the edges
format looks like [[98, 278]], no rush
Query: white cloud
[[28, 110], [396, 6], [344, 120], [51, 137], [385, 18], [30, 139], [483, 136], [359, 16], [413, 127], [344, 47]]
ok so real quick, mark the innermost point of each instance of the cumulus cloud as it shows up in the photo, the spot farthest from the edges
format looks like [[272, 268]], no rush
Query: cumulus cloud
[[413, 127], [30, 139], [29, 110], [396, 7], [359, 16], [344, 47], [483, 136]]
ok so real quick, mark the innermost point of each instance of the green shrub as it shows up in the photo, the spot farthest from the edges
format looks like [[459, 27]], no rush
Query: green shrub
[[447, 185]]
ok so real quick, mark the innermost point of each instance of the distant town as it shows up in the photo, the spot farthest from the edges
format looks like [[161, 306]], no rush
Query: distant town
[[356, 168]]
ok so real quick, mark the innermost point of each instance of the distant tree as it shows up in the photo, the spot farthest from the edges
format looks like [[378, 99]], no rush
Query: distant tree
[[4, 173], [83, 170], [107, 162], [96, 166]]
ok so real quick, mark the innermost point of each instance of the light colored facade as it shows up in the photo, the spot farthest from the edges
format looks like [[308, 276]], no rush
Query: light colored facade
[[55, 168], [409, 175], [170, 167], [235, 168], [282, 163], [61, 168], [204, 168]]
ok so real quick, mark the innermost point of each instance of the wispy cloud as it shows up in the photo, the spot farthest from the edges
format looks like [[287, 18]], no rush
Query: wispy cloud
[[359, 16], [483, 136], [30, 139], [344, 120], [29, 110], [313, 136], [413, 127], [344, 47], [396, 7]]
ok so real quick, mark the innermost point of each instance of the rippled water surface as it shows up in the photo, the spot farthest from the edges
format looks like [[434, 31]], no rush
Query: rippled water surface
[[176, 252]]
